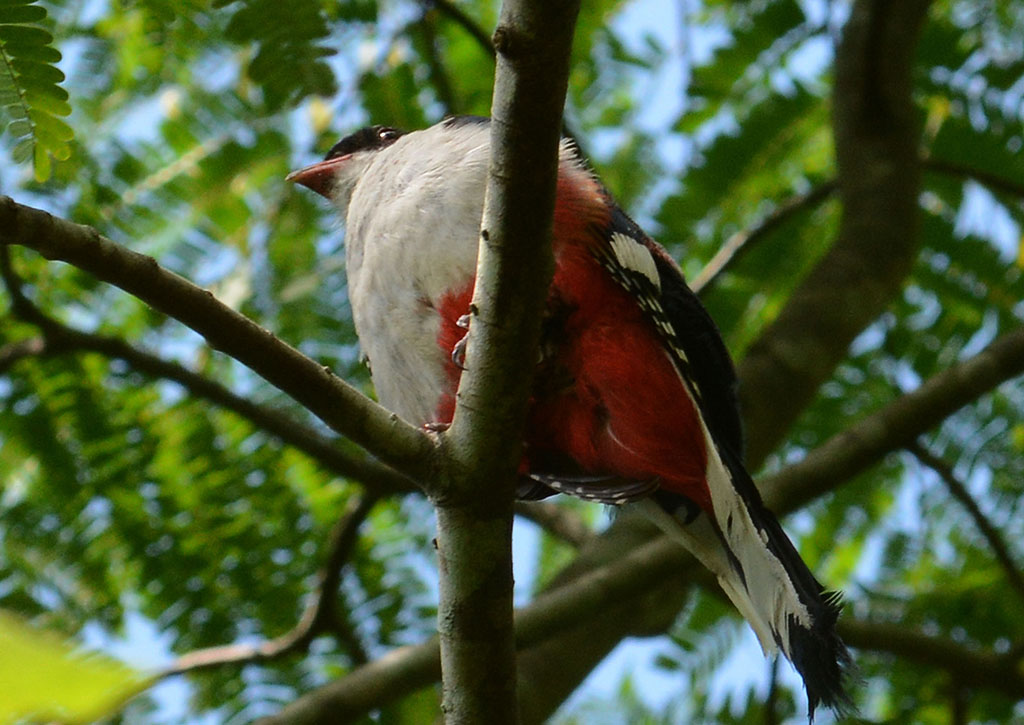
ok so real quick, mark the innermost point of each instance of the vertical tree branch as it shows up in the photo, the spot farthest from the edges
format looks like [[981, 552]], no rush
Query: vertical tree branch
[[474, 513], [876, 134]]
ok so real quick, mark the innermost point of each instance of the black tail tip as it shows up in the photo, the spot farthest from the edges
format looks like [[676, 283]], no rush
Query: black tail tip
[[823, 661]]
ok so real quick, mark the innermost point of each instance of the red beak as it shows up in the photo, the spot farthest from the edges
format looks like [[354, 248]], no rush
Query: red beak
[[319, 176]]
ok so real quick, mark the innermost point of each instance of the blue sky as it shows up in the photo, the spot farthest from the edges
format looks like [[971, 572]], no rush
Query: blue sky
[[142, 644]]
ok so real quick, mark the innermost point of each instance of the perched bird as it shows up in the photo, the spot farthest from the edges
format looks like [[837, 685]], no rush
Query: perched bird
[[634, 400]]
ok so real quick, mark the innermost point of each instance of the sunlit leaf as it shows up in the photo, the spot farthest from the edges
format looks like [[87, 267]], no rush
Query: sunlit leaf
[[46, 678]]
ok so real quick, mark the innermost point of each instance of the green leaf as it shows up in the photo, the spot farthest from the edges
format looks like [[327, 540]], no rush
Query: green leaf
[[29, 90], [386, 94], [50, 130], [46, 678], [288, 64], [987, 151], [14, 108], [35, 85], [23, 151], [33, 51], [24, 35], [20, 127], [778, 142], [48, 103], [41, 163], [40, 72], [364, 11], [22, 14], [764, 29]]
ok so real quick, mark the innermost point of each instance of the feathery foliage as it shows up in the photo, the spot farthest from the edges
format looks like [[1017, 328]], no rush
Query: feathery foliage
[[30, 93], [141, 512]]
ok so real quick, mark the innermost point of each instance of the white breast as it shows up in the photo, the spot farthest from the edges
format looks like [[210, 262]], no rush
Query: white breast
[[411, 236]]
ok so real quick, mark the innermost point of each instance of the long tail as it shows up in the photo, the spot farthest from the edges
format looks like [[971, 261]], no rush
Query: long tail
[[762, 573]]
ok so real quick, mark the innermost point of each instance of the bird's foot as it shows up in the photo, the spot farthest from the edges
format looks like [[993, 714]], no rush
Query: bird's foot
[[459, 351]]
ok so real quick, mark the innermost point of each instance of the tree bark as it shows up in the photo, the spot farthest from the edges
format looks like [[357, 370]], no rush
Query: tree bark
[[876, 139], [483, 446]]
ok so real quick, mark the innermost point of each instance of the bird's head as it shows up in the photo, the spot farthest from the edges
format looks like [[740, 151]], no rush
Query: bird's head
[[336, 175]]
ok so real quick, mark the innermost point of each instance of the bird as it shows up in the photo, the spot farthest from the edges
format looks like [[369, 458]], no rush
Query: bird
[[634, 401]]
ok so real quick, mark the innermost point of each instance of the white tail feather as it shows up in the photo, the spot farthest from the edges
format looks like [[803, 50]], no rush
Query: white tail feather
[[700, 539], [736, 550]]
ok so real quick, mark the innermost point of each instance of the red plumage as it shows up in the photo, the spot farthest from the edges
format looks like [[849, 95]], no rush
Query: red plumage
[[624, 410]]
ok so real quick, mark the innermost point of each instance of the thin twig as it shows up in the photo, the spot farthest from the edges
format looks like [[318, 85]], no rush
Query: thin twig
[[21, 307], [453, 12], [959, 705], [318, 617], [993, 181], [895, 426], [744, 240], [771, 702], [438, 73], [988, 530], [970, 666], [345, 632], [12, 352], [557, 521]]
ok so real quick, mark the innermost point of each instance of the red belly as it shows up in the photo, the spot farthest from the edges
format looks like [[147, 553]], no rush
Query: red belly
[[607, 398]]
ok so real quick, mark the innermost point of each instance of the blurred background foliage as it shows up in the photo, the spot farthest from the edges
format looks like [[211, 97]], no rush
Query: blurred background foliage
[[140, 518]]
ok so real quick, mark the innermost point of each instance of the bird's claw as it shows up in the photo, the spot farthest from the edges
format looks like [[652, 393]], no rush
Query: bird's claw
[[459, 351]]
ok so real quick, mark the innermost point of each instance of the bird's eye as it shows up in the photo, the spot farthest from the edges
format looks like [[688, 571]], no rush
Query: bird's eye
[[387, 134]]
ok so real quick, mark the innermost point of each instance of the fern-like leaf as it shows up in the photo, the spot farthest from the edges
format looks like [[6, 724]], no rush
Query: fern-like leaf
[[30, 92], [289, 61]]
